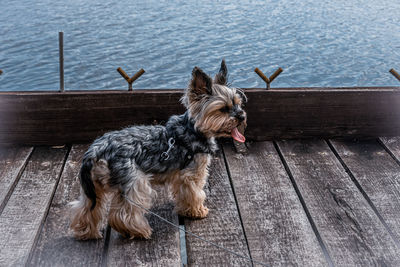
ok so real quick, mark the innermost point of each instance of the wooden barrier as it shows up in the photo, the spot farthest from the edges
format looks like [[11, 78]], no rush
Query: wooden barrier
[[80, 116]]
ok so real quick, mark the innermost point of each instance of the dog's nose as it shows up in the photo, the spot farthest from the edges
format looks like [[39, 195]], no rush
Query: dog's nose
[[240, 115], [241, 118]]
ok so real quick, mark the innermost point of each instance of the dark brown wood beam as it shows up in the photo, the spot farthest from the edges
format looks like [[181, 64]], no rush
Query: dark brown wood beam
[[49, 118]]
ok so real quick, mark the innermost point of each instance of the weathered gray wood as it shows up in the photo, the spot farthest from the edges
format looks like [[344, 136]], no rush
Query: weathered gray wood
[[393, 145], [12, 163], [28, 205], [222, 225], [277, 228], [352, 232], [378, 174], [56, 245], [161, 250]]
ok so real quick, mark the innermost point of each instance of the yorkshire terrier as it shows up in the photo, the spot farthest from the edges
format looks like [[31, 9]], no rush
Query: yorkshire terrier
[[125, 164]]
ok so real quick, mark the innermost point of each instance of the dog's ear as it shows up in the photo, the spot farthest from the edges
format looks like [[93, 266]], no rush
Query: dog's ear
[[201, 83], [222, 76]]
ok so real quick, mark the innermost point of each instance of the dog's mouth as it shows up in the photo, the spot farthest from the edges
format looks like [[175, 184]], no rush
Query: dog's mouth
[[237, 135]]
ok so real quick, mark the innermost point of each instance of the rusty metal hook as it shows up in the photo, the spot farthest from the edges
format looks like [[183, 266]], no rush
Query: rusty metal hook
[[265, 78], [131, 79], [395, 74]]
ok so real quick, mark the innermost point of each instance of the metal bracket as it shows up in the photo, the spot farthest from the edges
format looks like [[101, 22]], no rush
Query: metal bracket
[[267, 80], [395, 74], [132, 79]]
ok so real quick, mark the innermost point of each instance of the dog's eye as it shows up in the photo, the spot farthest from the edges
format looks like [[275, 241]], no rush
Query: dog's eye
[[242, 96], [224, 109]]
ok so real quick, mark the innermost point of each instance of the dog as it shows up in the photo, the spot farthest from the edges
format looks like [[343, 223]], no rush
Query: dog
[[123, 165]]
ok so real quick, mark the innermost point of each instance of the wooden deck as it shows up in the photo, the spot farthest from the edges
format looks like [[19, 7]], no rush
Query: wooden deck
[[303, 203]]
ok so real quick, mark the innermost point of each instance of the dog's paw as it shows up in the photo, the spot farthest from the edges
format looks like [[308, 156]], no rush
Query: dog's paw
[[87, 234], [199, 213], [143, 234]]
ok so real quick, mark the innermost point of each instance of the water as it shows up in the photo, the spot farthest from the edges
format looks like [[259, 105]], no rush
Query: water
[[317, 43]]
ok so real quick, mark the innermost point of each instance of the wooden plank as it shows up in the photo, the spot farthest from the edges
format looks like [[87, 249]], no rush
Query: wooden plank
[[392, 145], [161, 250], [222, 226], [378, 174], [28, 205], [80, 116], [56, 245], [351, 231], [277, 228], [12, 163], [330, 112]]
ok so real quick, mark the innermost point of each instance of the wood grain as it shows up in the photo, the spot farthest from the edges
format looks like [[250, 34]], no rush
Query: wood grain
[[161, 250], [12, 163], [222, 225], [72, 117], [378, 174], [392, 145], [351, 231], [81, 116], [56, 245], [277, 228], [27, 207]]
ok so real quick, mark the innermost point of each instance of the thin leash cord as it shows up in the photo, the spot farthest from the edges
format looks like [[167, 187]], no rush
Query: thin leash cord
[[197, 236]]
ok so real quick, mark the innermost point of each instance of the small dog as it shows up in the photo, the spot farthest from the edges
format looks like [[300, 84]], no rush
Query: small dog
[[125, 164]]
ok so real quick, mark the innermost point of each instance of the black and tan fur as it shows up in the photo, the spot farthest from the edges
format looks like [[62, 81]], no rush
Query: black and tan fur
[[125, 164]]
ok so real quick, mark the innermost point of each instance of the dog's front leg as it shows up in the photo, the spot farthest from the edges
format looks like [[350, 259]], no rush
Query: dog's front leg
[[187, 188]]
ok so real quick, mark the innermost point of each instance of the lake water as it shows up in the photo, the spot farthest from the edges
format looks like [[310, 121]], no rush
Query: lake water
[[317, 43]]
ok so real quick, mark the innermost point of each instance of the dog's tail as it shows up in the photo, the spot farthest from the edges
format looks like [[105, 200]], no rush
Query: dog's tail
[[86, 180]]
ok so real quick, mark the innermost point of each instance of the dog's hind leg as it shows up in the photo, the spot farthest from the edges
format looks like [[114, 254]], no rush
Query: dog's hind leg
[[126, 212], [87, 220]]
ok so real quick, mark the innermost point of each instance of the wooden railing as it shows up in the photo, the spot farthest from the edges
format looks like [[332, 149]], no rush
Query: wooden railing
[[80, 116]]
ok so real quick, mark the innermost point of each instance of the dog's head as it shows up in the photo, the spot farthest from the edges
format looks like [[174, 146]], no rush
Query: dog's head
[[215, 108]]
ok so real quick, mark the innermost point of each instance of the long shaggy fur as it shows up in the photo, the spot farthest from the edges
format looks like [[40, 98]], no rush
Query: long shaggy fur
[[123, 164]]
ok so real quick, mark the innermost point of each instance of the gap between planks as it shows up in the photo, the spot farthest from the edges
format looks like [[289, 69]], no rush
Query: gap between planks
[[343, 217], [49, 204], [339, 149], [28, 205], [239, 149], [56, 246], [221, 226], [392, 146], [303, 204], [8, 178]]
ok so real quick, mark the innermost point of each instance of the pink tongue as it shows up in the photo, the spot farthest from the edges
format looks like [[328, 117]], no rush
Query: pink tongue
[[237, 135]]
